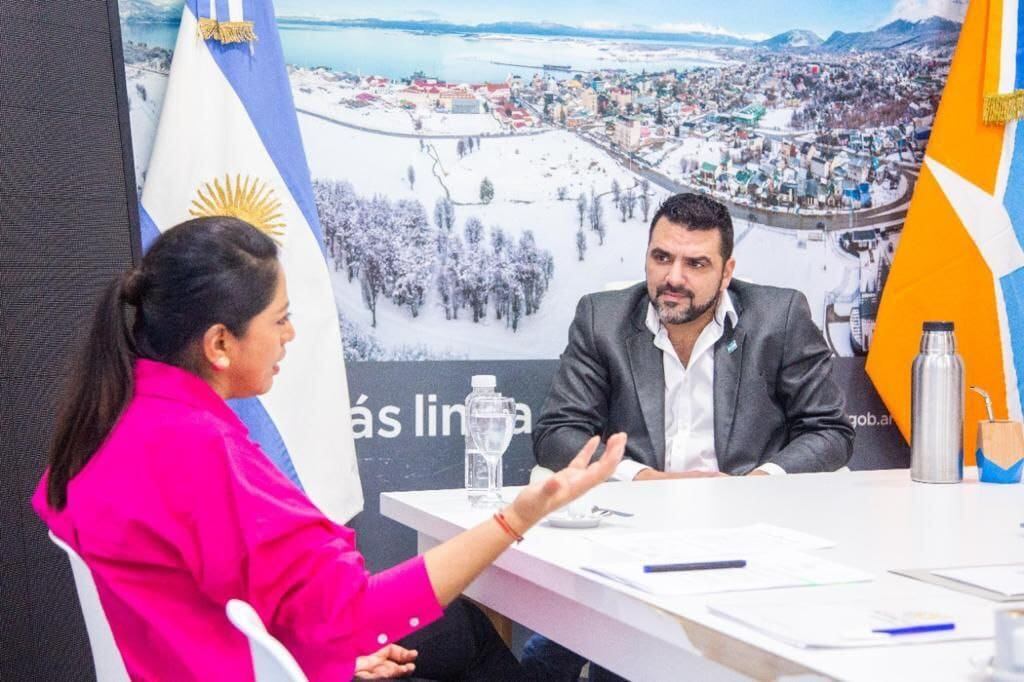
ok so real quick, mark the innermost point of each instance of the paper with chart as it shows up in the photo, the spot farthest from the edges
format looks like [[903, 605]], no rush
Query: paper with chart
[[850, 625], [773, 554]]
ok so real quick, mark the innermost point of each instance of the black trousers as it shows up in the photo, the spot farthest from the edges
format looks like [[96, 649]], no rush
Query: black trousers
[[463, 646], [547, 660]]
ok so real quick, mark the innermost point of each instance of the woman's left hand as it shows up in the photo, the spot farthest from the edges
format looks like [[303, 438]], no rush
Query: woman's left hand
[[390, 662]]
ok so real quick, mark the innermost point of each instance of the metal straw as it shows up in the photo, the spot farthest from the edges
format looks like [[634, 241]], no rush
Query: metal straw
[[988, 401]]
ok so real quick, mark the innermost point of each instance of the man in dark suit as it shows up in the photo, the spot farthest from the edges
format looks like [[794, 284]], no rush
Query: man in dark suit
[[708, 375]]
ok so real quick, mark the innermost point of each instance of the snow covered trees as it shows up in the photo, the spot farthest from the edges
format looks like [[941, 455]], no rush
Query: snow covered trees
[[397, 253], [645, 198], [444, 214], [486, 191], [413, 262], [581, 243], [596, 215], [338, 208]]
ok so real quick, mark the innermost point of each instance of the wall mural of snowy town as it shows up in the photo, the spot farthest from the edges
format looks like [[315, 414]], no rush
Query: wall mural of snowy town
[[474, 180]]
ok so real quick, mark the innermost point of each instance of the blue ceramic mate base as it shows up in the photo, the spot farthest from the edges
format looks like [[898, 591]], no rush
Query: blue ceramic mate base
[[990, 472]]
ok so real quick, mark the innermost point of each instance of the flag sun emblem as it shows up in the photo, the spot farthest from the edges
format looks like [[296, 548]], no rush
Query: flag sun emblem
[[245, 198]]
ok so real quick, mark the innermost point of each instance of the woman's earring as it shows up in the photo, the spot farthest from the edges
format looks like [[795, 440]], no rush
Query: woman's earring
[[222, 363]]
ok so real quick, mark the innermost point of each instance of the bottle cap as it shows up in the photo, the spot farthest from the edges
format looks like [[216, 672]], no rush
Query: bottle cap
[[483, 381], [938, 326]]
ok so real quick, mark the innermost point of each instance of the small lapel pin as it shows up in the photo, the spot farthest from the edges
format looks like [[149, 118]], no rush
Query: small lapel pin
[[732, 346]]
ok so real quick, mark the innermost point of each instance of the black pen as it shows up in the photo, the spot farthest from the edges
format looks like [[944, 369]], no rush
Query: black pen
[[695, 566]]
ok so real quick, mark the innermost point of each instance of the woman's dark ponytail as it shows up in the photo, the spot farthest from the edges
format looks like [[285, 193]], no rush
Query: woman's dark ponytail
[[98, 390]]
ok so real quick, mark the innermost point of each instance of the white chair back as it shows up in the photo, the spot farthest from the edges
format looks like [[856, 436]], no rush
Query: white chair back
[[105, 654], [271, 661]]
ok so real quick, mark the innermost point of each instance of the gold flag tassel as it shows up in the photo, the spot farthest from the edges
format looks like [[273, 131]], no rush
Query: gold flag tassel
[[226, 32], [236, 32], [1003, 108], [207, 28]]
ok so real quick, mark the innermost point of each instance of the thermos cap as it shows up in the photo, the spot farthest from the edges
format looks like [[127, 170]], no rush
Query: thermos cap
[[938, 326]]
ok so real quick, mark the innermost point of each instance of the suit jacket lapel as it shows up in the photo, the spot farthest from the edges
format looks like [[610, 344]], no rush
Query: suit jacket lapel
[[647, 367], [728, 370], [646, 362]]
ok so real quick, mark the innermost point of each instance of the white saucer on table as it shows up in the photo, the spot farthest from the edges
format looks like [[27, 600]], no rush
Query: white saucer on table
[[563, 520]]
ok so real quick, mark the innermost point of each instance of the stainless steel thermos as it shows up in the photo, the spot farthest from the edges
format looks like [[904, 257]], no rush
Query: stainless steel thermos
[[937, 408]]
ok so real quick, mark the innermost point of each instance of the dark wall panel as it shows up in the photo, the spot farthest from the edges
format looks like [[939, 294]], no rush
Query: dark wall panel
[[67, 207]]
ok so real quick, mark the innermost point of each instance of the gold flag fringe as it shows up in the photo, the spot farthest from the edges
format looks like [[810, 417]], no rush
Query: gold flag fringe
[[1003, 108], [207, 28], [237, 32], [227, 31]]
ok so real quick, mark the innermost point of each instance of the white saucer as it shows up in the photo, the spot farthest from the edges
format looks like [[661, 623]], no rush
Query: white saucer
[[566, 521], [985, 672]]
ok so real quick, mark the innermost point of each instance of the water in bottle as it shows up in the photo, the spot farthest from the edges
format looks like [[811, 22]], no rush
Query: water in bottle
[[476, 465]]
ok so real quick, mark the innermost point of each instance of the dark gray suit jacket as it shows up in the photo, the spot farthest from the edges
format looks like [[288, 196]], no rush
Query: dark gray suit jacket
[[775, 400]]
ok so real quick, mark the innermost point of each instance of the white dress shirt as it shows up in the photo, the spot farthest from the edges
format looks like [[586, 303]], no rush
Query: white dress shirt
[[689, 399]]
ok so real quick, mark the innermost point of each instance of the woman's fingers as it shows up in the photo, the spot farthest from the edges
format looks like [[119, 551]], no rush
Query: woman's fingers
[[385, 670], [582, 458], [613, 452], [390, 661], [600, 470], [400, 654]]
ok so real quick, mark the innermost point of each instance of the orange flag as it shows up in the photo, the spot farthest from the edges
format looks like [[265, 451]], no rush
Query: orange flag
[[960, 256]]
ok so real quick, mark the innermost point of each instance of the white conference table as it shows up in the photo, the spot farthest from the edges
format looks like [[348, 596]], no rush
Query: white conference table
[[880, 520]]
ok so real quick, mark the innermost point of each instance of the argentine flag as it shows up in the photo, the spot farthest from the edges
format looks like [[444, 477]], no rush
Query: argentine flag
[[228, 143]]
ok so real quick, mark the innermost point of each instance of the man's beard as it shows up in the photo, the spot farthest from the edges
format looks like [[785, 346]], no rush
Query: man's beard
[[681, 313]]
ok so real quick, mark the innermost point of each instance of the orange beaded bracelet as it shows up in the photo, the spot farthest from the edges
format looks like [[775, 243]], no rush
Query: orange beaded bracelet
[[507, 527]]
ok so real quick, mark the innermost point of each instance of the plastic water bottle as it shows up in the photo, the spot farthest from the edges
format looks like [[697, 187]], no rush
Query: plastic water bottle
[[937, 408], [476, 465]]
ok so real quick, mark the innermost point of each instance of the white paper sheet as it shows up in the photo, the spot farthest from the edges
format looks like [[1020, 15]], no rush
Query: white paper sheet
[[850, 625], [741, 542], [764, 570], [1007, 579], [771, 552]]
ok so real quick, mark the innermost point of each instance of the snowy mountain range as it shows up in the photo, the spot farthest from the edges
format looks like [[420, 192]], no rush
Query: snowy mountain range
[[795, 39], [543, 29], [933, 32]]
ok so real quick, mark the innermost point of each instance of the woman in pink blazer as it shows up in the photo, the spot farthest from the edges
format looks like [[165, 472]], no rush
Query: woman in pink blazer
[[153, 480]]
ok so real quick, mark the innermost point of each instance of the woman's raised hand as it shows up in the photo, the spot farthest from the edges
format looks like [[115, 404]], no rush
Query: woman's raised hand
[[543, 497]]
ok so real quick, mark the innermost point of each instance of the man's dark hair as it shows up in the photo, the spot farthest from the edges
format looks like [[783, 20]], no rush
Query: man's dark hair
[[696, 212]]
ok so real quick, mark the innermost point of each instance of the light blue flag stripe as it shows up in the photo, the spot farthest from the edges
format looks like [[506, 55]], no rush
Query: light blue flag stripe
[[1019, 58], [148, 229], [260, 80], [1013, 296], [204, 9], [263, 431], [1012, 285], [1014, 200]]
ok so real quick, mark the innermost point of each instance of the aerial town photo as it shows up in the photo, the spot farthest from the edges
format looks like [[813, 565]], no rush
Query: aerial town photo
[[474, 179]]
